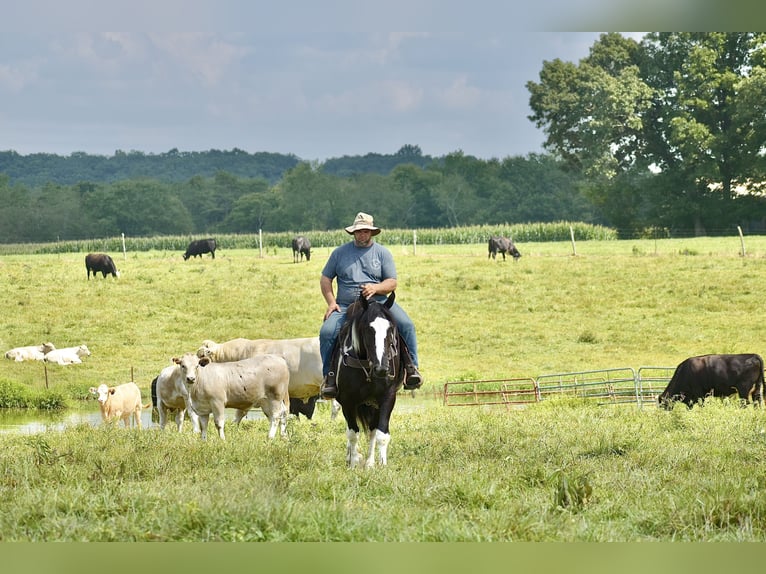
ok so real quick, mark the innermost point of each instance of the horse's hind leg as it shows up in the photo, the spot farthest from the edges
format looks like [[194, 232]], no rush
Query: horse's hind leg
[[353, 456]]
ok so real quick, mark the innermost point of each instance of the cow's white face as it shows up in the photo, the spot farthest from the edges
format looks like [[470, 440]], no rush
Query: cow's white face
[[102, 392], [188, 364]]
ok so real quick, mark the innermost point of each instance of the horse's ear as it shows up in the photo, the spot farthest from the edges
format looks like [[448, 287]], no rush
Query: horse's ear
[[390, 301], [363, 300]]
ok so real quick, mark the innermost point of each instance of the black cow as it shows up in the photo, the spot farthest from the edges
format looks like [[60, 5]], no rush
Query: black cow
[[300, 407], [100, 262], [301, 247], [200, 246], [503, 245], [717, 375]]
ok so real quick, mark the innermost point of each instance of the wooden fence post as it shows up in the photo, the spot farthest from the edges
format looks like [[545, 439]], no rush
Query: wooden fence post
[[741, 240], [571, 234]]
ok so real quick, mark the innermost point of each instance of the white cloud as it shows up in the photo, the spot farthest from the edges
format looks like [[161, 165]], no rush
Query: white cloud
[[461, 95]]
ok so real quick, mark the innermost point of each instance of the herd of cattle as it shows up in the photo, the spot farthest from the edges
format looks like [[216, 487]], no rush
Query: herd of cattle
[[278, 376], [104, 264], [284, 376]]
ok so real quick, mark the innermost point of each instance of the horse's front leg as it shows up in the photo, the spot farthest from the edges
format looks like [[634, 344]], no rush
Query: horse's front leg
[[381, 436], [378, 439], [353, 456]]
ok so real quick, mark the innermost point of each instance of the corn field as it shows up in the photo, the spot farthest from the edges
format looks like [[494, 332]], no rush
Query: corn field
[[522, 232]]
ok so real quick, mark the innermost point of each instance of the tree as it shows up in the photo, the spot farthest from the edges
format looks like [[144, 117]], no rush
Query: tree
[[676, 122]]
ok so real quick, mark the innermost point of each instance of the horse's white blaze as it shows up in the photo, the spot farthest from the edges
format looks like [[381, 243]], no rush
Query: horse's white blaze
[[380, 326]]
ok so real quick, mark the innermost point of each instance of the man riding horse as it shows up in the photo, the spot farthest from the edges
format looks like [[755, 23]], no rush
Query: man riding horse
[[361, 267]]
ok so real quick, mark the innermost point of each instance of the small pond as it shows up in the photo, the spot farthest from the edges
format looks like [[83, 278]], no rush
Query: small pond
[[32, 421]]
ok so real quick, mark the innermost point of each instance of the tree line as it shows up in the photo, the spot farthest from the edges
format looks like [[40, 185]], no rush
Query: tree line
[[456, 190]]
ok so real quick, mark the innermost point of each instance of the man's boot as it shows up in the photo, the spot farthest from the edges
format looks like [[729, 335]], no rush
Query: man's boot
[[329, 388], [413, 380], [330, 385]]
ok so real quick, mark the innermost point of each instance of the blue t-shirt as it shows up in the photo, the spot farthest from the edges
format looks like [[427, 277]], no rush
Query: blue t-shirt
[[352, 266]]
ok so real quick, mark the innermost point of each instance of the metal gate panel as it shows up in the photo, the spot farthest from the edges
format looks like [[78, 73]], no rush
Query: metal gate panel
[[652, 381], [508, 392], [606, 386]]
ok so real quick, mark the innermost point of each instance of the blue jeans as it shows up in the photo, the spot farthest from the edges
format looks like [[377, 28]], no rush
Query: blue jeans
[[328, 334]]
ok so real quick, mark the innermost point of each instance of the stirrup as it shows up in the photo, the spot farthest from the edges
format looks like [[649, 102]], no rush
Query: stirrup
[[329, 387], [413, 380]]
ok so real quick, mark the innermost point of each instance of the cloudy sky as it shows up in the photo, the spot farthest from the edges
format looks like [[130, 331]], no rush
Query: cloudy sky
[[304, 77]]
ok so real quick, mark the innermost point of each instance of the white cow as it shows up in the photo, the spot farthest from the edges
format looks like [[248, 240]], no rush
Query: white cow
[[301, 354], [120, 402], [258, 381], [169, 394], [67, 355], [31, 353]]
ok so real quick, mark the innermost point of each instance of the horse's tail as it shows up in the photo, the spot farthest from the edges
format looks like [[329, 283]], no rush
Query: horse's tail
[[366, 416]]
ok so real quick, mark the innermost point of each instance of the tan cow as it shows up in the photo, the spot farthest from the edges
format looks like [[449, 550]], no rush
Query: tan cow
[[169, 394], [67, 355], [120, 402], [260, 381], [30, 353]]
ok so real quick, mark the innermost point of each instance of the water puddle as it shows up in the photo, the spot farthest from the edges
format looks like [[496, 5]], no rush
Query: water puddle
[[24, 421]]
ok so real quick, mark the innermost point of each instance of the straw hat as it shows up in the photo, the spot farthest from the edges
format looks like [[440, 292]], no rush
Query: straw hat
[[363, 221]]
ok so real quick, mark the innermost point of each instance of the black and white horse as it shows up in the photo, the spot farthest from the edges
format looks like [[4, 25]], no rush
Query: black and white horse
[[370, 372]]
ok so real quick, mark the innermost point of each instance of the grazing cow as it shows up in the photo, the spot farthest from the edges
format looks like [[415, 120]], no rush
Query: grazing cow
[[120, 402], [169, 394], [259, 381], [718, 375], [31, 353], [200, 246], [67, 355], [100, 262], [301, 247], [503, 245]]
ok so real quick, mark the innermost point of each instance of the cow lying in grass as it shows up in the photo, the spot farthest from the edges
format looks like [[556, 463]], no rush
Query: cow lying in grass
[[67, 355], [30, 353]]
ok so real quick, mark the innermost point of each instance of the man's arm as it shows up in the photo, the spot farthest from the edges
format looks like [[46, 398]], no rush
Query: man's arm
[[325, 285]]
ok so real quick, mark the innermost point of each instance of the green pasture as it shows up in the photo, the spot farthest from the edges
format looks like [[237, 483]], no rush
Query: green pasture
[[560, 470]]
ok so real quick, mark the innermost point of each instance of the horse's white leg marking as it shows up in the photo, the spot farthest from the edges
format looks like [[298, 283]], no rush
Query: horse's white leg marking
[[380, 326], [382, 439], [353, 455], [371, 437]]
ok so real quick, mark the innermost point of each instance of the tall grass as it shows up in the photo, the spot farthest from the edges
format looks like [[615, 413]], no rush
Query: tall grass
[[557, 470]]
